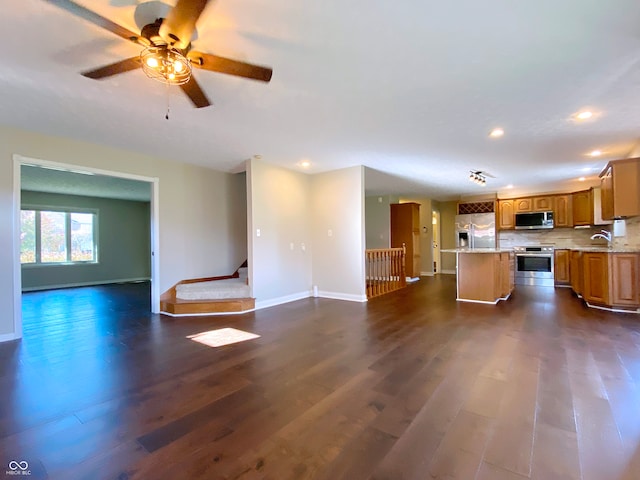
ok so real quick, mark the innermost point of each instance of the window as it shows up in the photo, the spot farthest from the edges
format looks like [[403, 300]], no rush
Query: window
[[53, 236]]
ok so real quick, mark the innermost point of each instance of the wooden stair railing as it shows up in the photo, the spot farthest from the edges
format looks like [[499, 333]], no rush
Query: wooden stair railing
[[385, 270]]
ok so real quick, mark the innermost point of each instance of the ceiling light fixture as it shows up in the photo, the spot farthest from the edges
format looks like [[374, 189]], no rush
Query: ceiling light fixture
[[496, 133], [595, 153], [478, 178], [166, 65], [585, 116]]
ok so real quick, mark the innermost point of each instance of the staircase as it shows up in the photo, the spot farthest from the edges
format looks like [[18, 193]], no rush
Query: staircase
[[213, 295]]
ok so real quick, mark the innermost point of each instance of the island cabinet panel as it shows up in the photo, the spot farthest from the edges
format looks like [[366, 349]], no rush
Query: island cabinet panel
[[562, 211], [522, 205], [575, 271], [620, 187], [484, 277], [561, 266], [582, 208], [405, 230], [506, 220], [595, 274], [624, 279], [506, 274], [542, 204]]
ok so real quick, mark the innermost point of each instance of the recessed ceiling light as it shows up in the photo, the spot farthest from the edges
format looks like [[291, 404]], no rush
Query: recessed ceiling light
[[581, 179], [595, 153], [304, 163], [585, 115], [509, 186], [496, 132], [257, 157]]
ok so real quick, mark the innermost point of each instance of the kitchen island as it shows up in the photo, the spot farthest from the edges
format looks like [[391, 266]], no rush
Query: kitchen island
[[483, 275]]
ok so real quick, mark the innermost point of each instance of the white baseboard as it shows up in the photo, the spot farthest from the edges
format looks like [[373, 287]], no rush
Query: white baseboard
[[448, 272], [272, 302], [7, 337], [426, 274], [342, 296], [86, 284]]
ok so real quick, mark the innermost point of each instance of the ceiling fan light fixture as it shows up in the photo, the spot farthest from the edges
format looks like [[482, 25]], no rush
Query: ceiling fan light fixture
[[166, 65]]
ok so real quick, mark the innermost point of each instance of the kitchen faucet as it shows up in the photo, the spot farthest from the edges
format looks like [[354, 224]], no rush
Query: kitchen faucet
[[604, 234]]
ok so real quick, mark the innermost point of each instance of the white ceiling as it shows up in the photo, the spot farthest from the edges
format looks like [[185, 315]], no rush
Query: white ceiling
[[407, 88]]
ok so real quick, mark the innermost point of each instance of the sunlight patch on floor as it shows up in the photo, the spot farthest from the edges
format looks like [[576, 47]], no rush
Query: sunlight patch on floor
[[222, 336]]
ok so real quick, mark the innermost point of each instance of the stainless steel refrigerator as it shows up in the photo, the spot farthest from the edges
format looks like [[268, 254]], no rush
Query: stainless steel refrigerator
[[476, 230]]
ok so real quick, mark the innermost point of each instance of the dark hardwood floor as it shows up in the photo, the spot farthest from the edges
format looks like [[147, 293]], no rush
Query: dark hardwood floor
[[411, 385]]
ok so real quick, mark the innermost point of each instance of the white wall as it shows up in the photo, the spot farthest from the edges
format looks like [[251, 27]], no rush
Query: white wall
[[199, 235], [290, 207], [378, 221], [279, 206], [338, 258]]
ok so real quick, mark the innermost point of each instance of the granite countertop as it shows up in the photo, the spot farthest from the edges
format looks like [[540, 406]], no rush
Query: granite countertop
[[476, 250], [605, 249]]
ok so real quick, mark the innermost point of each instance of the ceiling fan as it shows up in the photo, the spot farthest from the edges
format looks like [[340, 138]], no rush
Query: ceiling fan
[[167, 54]]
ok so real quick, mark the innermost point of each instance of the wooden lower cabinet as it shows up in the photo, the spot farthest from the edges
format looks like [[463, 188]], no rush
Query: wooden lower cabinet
[[624, 279], [575, 271], [561, 266], [611, 279], [595, 274]]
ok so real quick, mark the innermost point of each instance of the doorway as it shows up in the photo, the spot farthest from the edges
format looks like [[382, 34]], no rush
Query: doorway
[[19, 161], [435, 229]]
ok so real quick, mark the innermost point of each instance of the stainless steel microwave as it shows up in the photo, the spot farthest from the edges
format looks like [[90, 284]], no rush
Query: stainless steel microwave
[[534, 220]]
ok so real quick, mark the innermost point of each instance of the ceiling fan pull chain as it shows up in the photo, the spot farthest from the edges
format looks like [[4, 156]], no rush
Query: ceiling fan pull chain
[[168, 98]]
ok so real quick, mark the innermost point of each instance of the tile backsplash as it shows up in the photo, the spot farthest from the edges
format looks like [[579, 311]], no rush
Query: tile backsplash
[[570, 237]]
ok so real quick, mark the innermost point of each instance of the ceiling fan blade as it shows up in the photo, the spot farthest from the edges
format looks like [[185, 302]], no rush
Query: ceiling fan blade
[[114, 68], [178, 27], [99, 20], [214, 63], [195, 93]]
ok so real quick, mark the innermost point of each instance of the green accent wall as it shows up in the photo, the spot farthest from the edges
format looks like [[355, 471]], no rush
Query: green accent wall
[[124, 243]]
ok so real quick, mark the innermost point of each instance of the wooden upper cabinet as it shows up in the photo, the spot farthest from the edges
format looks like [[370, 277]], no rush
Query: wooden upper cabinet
[[561, 265], [542, 204], [562, 211], [522, 205], [506, 220], [620, 186], [582, 209]]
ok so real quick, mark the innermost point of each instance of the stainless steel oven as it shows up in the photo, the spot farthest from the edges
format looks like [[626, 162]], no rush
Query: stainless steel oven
[[534, 266]]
